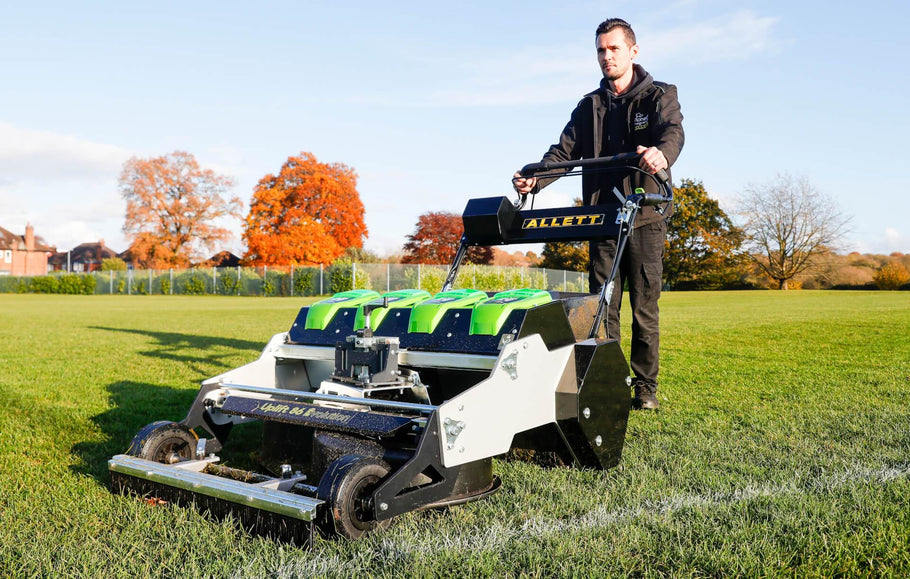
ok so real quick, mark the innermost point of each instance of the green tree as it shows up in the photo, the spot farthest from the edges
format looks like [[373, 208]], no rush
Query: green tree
[[568, 255], [361, 255], [113, 264], [703, 246]]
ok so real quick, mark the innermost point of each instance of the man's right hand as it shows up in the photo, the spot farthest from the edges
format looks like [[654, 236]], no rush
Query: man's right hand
[[523, 185]]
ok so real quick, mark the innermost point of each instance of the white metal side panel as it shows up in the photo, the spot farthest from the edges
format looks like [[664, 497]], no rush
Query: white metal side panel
[[519, 394], [260, 372]]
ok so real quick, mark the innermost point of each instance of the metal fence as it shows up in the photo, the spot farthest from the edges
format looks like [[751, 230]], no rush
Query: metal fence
[[294, 281]]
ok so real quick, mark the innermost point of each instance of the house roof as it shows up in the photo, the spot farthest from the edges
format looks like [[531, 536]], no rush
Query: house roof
[[222, 259], [127, 255], [85, 253], [9, 240], [43, 247]]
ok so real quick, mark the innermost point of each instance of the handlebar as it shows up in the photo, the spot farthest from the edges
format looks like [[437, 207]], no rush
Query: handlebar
[[611, 163], [614, 161], [532, 169]]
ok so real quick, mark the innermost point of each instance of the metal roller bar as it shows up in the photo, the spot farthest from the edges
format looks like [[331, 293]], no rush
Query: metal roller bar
[[233, 491], [390, 404], [418, 359]]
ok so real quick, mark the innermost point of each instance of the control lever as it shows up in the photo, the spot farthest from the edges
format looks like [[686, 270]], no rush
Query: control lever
[[367, 310]]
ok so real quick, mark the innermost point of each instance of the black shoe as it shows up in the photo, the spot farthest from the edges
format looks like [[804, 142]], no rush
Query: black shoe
[[645, 396]]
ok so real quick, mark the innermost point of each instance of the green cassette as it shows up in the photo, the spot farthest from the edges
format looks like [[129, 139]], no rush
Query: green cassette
[[489, 316], [426, 315], [398, 299], [322, 312]]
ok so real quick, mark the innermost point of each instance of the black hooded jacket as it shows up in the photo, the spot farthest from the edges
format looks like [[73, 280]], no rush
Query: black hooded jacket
[[605, 123]]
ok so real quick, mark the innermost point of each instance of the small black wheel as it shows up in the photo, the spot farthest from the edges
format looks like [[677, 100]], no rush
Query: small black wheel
[[346, 487], [164, 441]]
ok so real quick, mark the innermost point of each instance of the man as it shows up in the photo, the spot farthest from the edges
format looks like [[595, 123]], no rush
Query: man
[[629, 112]]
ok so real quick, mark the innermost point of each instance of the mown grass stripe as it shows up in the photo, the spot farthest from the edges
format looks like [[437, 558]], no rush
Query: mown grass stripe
[[497, 537]]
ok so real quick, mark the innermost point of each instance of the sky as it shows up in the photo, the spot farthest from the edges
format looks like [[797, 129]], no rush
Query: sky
[[435, 103]]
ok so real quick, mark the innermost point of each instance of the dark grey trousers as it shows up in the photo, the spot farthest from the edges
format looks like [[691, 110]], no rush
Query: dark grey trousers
[[642, 268]]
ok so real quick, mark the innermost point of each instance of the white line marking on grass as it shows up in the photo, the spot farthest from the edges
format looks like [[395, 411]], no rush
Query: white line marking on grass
[[497, 536]]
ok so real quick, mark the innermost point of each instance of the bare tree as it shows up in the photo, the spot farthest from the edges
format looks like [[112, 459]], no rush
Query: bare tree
[[789, 225]]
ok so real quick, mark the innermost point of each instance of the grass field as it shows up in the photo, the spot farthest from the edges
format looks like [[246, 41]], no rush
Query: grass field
[[782, 449]]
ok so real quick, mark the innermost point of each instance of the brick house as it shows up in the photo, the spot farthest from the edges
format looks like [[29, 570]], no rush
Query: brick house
[[23, 254], [83, 258]]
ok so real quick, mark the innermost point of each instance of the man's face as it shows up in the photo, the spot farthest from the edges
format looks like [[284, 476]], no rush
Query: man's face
[[614, 55]]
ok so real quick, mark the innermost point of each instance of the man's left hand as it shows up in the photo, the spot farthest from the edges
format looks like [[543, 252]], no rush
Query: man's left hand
[[652, 160]]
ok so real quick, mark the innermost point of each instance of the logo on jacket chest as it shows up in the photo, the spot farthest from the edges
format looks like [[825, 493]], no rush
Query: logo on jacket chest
[[639, 122]]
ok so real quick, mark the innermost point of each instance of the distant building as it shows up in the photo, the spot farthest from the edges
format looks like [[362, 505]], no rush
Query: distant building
[[23, 254], [222, 259], [82, 258], [128, 258]]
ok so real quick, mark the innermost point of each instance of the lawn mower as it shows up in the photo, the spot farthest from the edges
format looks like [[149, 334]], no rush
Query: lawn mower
[[376, 405]]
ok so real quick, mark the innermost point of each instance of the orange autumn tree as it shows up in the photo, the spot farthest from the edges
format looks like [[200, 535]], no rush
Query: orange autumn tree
[[306, 215], [172, 206]]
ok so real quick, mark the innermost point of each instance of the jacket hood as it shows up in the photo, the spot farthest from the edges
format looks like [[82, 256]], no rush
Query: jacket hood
[[640, 83]]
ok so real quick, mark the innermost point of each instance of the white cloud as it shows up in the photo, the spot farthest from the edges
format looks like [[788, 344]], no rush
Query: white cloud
[[76, 217], [26, 154], [896, 241], [101, 207], [880, 242], [535, 75], [546, 74], [12, 208], [63, 185], [736, 36], [71, 233]]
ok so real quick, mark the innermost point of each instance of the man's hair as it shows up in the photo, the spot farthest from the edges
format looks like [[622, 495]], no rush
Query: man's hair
[[611, 23]]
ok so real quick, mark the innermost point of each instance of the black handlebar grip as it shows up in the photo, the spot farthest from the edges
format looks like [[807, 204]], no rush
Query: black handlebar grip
[[531, 168], [652, 199], [662, 175]]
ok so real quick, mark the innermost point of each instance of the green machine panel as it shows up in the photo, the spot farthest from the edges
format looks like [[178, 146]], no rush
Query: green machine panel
[[426, 315], [322, 312], [489, 316], [405, 298]]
